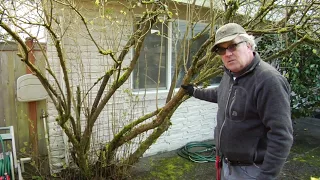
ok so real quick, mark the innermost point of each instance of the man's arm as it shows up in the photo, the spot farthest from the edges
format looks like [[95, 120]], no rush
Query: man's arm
[[210, 94]]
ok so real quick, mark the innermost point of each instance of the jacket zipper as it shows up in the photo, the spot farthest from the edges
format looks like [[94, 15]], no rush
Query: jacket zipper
[[232, 102], [224, 121]]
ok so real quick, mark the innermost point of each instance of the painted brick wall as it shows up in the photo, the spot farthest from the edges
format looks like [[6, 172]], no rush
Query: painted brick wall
[[194, 120]]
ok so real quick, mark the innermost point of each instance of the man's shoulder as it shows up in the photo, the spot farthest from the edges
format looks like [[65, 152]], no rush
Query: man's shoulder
[[266, 70], [267, 74]]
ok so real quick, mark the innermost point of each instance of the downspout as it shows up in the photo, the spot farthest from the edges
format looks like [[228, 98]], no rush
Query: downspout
[[32, 107]]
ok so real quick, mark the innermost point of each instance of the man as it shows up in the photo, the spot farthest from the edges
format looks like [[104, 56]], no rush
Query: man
[[254, 130]]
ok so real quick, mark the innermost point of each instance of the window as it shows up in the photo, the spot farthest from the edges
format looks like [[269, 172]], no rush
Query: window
[[158, 58], [151, 69], [179, 29]]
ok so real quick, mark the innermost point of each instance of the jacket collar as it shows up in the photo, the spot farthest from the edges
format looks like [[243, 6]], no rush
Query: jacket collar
[[256, 60]]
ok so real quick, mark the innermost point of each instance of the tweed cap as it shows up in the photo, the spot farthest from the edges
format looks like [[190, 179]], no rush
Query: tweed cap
[[227, 33]]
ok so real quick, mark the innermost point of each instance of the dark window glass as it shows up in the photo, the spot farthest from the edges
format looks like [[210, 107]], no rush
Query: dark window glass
[[151, 69]]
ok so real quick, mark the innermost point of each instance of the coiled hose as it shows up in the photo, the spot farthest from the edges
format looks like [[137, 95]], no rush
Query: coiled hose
[[199, 152]]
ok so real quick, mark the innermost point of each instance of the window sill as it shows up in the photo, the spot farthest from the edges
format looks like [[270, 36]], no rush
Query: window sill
[[159, 94], [152, 94]]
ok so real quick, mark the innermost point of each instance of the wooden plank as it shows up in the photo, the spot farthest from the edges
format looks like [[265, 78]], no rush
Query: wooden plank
[[2, 76], [21, 122]]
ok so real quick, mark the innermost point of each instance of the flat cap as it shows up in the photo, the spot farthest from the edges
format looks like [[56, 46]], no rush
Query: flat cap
[[227, 33]]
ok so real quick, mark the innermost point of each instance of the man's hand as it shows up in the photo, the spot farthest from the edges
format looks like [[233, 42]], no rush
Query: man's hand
[[189, 88]]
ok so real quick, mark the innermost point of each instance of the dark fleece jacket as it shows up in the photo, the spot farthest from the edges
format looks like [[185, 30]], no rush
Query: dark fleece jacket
[[254, 118]]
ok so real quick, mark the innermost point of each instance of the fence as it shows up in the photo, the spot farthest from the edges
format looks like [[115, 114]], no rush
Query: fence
[[15, 113]]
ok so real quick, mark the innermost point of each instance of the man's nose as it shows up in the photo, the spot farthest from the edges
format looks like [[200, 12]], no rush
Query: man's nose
[[228, 52]]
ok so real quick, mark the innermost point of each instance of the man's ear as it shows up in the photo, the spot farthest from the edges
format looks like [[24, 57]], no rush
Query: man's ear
[[249, 45]]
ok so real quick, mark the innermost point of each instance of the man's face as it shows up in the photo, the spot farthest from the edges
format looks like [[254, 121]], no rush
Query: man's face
[[238, 54]]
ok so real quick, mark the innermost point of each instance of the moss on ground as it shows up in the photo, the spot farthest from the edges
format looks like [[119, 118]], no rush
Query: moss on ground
[[303, 162], [311, 157], [172, 168]]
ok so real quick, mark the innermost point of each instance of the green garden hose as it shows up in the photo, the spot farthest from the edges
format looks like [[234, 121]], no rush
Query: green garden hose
[[5, 164], [198, 152]]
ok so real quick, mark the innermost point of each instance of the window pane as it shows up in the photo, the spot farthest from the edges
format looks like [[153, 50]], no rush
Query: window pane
[[179, 29], [151, 69]]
